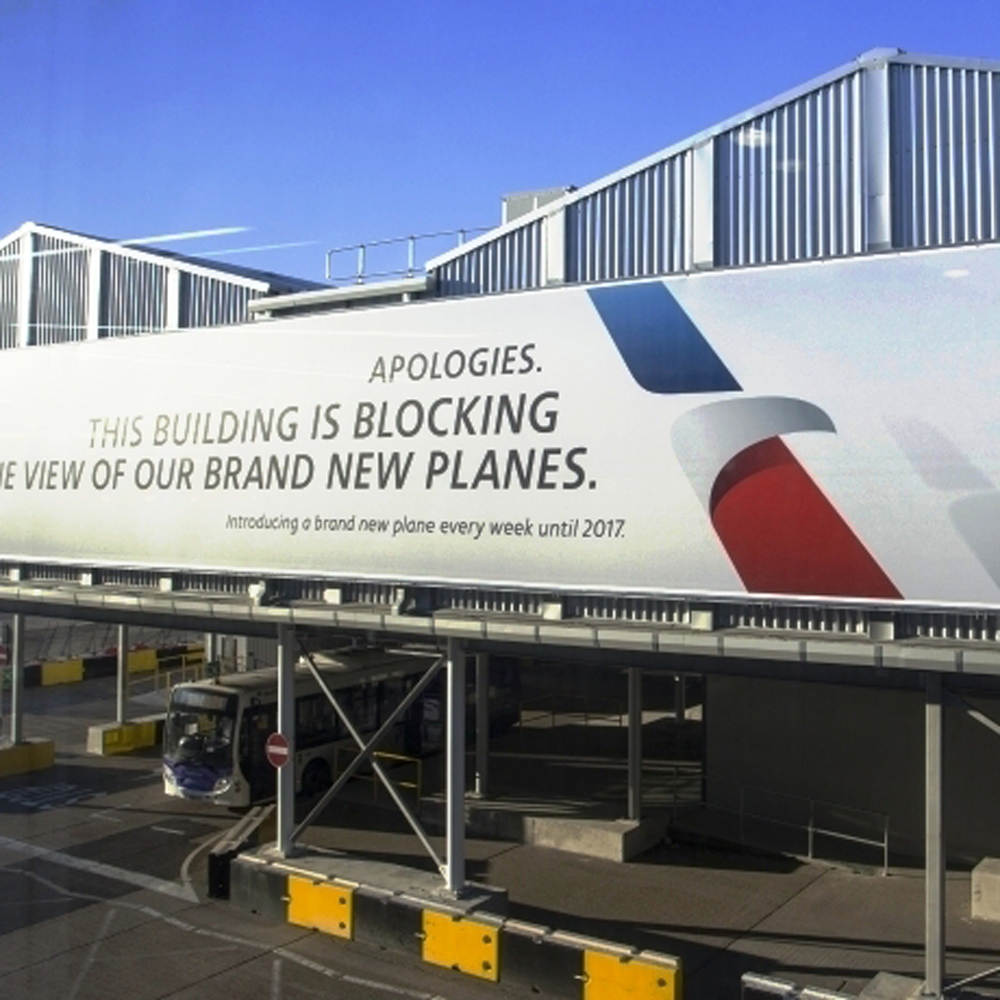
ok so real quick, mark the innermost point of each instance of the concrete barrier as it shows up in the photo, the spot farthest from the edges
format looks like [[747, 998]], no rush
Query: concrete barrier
[[61, 672], [114, 738], [986, 890], [32, 755], [468, 940]]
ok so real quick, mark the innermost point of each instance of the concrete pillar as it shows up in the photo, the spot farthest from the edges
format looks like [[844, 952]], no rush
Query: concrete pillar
[[934, 864], [634, 743], [455, 779], [17, 679], [286, 726], [482, 723], [121, 688]]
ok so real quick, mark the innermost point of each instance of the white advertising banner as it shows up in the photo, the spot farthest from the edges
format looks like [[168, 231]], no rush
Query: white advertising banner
[[819, 429]]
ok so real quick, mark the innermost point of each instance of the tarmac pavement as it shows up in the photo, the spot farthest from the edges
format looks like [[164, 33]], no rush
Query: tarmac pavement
[[78, 933]]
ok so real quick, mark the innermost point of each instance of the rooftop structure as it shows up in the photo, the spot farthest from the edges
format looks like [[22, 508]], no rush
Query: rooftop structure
[[58, 286]]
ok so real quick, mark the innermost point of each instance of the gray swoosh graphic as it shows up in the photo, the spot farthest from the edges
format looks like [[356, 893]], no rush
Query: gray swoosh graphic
[[706, 438]]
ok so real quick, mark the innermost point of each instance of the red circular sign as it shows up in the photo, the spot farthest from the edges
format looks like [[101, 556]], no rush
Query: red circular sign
[[276, 749]]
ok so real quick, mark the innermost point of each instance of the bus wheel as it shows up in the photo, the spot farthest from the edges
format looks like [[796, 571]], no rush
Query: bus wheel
[[316, 777]]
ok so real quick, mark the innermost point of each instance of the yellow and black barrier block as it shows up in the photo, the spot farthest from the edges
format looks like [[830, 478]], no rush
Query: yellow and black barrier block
[[388, 919], [463, 942], [31, 755], [470, 941], [321, 905], [61, 672], [114, 738]]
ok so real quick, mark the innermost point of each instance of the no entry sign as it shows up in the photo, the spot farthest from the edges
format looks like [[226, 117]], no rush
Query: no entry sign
[[276, 750]]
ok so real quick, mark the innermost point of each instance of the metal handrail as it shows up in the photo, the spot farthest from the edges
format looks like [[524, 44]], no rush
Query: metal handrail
[[811, 828], [361, 249]]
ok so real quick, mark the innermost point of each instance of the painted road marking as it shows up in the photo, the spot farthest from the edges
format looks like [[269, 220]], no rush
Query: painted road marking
[[98, 868]]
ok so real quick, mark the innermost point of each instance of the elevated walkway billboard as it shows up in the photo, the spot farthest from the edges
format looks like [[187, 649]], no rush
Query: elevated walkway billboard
[[816, 430]]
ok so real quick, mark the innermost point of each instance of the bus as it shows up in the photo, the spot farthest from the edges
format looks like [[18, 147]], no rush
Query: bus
[[215, 730]]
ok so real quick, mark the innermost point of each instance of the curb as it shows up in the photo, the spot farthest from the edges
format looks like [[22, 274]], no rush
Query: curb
[[492, 948]]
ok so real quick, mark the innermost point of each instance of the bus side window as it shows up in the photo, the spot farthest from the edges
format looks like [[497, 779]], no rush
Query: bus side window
[[314, 721]]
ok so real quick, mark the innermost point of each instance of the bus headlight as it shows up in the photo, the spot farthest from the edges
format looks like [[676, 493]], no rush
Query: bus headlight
[[168, 777], [222, 786]]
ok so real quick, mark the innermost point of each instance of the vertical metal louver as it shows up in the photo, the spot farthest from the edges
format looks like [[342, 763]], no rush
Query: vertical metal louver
[[633, 227], [135, 296], [59, 292], [789, 182], [9, 262], [511, 262], [945, 124], [210, 302]]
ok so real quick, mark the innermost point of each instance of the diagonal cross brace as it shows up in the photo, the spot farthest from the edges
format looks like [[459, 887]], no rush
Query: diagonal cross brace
[[366, 751]]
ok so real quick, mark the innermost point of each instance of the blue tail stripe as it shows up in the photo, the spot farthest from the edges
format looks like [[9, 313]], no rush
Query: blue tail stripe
[[663, 349]]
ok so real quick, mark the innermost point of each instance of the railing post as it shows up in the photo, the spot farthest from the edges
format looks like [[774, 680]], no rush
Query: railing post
[[934, 862], [286, 726], [121, 687], [17, 679], [455, 779]]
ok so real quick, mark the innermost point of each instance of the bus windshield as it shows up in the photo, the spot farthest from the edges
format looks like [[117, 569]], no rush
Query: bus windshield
[[200, 727]]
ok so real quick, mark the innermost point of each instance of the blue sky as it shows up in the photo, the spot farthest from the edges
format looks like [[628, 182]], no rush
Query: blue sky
[[335, 122]]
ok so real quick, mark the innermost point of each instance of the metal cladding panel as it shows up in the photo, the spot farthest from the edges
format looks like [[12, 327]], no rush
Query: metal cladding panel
[[511, 262], [212, 302], [944, 134], [789, 183], [9, 271], [134, 296], [632, 228], [59, 292]]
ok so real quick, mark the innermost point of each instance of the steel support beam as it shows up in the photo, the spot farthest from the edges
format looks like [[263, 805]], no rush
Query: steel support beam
[[367, 749], [934, 864], [455, 780], [17, 679], [376, 767], [680, 697], [121, 678], [634, 743], [482, 723], [286, 726]]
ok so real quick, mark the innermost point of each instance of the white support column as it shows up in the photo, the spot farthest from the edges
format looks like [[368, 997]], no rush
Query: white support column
[[634, 743], [25, 289], [875, 157], [94, 259], [17, 679], [455, 780], [482, 723], [173, 317], [211, 643], [702, 206], [554, 248], [286, 726], [121, 688], [934, 864]]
